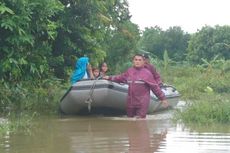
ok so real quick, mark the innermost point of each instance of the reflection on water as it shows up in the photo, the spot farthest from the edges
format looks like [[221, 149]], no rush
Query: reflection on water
[[195, 142], [116, 135]]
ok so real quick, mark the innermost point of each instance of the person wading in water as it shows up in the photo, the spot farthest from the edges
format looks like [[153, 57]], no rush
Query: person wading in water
[[140, 81]]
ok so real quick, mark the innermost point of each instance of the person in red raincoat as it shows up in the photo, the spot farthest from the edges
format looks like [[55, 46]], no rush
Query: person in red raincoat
[[152, 69], [140, 81]]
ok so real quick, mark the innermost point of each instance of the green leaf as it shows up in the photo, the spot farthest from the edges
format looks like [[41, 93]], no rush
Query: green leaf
[[4, 9], [22, 61], [33, 68], [7, 26]]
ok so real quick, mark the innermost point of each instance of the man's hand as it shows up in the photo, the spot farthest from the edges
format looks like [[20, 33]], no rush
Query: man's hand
[[165, 103]]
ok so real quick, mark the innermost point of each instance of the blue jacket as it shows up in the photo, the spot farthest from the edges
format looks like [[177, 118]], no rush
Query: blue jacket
[[80, 69]]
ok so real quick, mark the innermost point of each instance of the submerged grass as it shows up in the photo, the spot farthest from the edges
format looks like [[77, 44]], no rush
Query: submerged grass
[[25, 101], [207, 93], [17, 122], [209, 109]]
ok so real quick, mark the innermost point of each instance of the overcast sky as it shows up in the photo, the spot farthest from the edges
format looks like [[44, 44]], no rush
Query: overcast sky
[[190, 15]]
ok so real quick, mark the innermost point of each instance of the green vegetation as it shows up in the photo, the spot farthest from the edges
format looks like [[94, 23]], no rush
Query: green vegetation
[[41, 40], [22, 103], [206, 91]]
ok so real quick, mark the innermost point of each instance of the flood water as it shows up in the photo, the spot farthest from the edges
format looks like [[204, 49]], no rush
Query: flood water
[[99, 134]]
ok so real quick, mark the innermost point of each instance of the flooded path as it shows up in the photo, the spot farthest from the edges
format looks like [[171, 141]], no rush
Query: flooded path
[[97, 134]]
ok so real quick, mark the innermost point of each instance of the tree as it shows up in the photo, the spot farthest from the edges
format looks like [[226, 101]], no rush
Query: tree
[[209, 42], [121, 44], [152, 41], [45, 36], [176, 42], [156, 41], [27, 28]]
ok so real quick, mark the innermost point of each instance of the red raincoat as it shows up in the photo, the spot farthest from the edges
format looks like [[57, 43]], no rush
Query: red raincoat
[[154, 72], [140, 81]]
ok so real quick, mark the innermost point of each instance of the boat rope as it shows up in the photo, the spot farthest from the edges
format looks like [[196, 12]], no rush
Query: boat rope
[[89, 100]]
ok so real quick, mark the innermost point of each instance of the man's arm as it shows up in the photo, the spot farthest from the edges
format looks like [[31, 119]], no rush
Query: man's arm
[[122, 78], [157, 90]]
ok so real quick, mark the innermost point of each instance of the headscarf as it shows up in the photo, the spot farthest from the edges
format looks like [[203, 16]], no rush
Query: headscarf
[[80, 69]]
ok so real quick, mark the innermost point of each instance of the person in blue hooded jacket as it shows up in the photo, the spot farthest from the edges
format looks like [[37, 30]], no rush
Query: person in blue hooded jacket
[[82, 70]]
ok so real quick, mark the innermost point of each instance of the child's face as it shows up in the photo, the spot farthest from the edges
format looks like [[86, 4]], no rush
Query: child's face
[[104, 67], [96, 72]]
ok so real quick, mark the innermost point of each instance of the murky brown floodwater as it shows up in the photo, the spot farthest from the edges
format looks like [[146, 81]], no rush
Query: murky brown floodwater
[[117, 135]]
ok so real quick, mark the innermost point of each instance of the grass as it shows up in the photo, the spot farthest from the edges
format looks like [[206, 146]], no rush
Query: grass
[[206, 91], [22, 103], [207, 110]]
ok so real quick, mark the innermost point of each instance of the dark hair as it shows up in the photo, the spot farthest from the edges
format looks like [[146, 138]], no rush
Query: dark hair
[[146, 56], [138, 54], [102, 64], [95, 68]]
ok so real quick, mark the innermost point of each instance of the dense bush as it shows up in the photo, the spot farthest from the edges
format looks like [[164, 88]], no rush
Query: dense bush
[[43, 98]]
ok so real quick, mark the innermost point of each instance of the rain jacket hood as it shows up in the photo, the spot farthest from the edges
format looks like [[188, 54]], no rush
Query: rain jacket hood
[[80, 69]]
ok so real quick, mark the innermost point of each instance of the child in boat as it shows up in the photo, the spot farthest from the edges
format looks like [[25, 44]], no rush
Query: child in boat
[[103, 69], [96, 72]]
